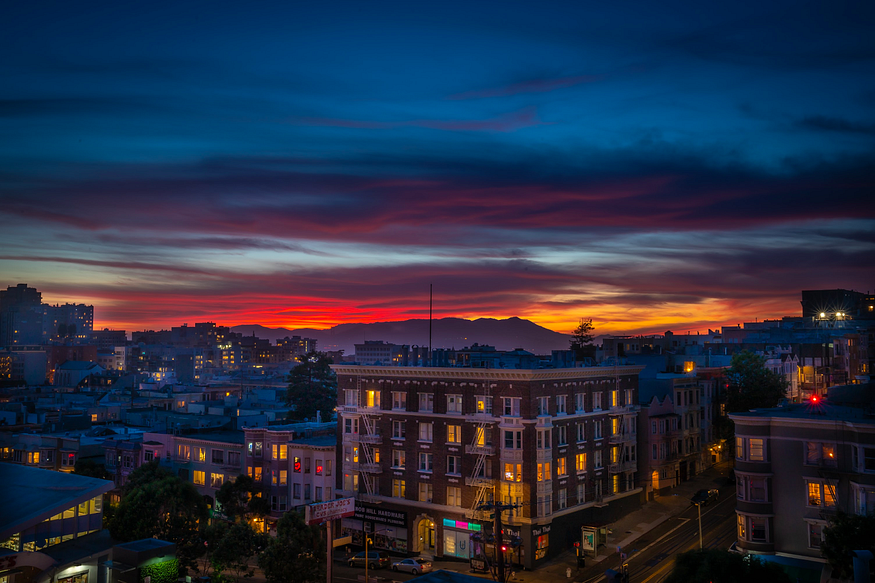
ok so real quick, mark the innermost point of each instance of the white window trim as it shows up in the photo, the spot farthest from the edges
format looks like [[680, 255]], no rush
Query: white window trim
[[748, 530]]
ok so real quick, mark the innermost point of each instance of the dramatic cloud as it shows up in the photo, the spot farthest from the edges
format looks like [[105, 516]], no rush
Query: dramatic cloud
[[651, 168]]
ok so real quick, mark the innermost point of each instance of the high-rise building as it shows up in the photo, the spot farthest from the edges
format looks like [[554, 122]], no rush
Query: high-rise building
[[20, 316]]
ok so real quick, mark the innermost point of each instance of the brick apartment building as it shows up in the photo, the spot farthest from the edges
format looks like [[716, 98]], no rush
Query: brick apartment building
[[423, 448]]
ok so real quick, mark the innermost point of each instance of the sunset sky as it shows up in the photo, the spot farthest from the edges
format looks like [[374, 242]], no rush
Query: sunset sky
[[651, 165]]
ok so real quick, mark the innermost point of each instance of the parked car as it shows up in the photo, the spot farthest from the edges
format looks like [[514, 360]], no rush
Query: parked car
[[414, 565], [374, 560], [704, 497]]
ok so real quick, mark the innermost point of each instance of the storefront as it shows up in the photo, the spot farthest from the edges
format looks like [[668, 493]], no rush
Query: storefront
[[457, 537], [386, 528]]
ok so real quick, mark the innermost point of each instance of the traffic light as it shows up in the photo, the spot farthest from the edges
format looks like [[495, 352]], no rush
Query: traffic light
[[503, 548]]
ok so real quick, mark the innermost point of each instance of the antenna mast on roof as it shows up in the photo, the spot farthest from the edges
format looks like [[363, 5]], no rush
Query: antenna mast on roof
[[430, 297]]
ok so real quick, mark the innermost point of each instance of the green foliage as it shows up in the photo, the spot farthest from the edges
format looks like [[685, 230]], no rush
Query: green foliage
[[296, 555], [581, 340], [163, 572], [242, 499], [844, 534], [89, 468], [312, 387], [752, 385], [239, 546], [718, 566], [157, 504], [211, 536]]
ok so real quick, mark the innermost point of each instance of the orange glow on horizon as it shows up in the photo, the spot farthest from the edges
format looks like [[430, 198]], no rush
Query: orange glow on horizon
[[620, 319]]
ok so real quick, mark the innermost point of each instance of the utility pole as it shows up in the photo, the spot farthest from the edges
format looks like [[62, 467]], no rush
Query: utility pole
[[500, 574]]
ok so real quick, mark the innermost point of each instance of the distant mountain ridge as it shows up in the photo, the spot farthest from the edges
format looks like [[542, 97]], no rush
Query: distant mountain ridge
[[504, 334]]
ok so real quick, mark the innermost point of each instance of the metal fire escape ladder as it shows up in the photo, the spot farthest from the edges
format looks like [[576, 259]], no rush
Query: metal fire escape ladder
[[368, 437], [483, 484]]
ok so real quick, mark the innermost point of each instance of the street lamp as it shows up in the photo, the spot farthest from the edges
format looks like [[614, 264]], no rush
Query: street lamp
[[699, 506], [367, 557]]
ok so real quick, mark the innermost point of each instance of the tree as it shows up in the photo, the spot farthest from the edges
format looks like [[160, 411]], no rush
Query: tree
[[91, 469], [296, 555], [237, 547], [312, 387], [844, 534], [719, 566], [751, 384], [211, 536], [581, 340], [157, 504], [242, 499]]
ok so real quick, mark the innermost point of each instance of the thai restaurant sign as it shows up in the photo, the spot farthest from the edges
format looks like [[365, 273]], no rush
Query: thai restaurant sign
[[333, 509]]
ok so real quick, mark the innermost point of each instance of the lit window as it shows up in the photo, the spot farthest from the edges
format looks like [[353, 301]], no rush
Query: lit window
[[543, 471], [454, 434], [513, 472], [580, 462], [757, 453]]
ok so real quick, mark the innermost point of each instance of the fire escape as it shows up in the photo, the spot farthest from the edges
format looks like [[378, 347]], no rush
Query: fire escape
[[368, 436], [480, 477]]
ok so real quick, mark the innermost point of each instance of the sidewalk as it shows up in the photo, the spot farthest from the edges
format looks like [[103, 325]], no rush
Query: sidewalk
[[622, 533]]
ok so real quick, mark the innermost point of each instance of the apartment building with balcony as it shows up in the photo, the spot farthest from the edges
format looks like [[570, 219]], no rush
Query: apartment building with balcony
[[423, 448], [796, 466]]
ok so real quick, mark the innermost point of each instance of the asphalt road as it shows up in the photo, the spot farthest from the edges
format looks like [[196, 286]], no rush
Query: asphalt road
[[651, 558], [343, 573]]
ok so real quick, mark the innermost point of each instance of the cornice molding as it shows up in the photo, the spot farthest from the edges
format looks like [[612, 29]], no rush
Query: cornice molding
[[486, 374]]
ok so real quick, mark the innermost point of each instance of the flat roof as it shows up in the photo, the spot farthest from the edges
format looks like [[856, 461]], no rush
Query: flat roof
[[40, 494], [318, 441], [811, 411]]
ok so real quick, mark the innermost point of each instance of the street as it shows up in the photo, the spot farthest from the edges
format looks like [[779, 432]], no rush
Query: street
[[652, 556]]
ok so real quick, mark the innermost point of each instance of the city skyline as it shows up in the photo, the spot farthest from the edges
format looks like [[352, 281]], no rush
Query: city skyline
[[649, 167]]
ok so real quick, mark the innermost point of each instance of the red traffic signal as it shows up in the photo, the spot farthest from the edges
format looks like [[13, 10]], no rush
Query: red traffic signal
[[577, 544], [503, 548]]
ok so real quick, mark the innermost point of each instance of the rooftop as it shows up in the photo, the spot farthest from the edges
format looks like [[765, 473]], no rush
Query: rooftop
[[821, 411], [40, 494]]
